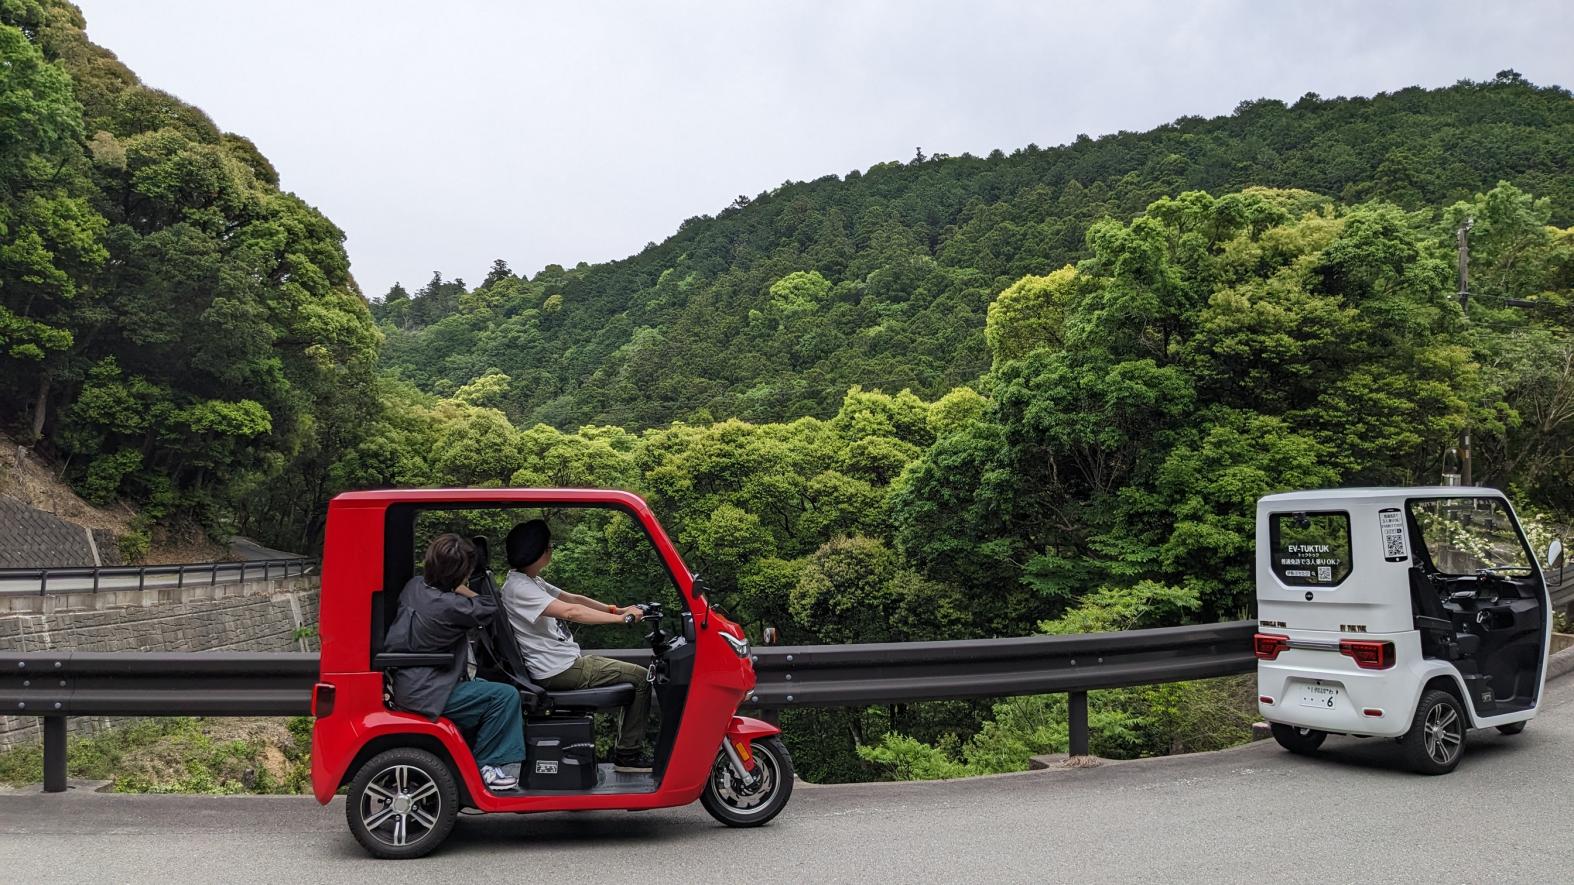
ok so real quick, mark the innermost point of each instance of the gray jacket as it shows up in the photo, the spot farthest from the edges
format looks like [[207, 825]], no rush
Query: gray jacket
[[432, 621]]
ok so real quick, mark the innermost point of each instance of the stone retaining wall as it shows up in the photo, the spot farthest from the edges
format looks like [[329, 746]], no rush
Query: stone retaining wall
[[33, 538], [276, 615]]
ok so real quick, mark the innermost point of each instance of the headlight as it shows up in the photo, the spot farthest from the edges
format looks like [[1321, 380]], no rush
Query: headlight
[[740, 647]]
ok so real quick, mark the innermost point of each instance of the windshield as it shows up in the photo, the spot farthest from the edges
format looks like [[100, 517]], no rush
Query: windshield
[[1465, 536]]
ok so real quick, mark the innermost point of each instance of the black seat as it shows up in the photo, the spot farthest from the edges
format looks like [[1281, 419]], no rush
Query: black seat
[[605, 697], [1440, 636], [498, 657]]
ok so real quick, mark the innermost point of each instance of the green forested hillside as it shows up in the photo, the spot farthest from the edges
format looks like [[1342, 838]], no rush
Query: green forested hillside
[[953, 397], [173, 328], [774, 307]]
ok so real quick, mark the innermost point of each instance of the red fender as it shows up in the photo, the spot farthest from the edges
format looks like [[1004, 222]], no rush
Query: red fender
[[743, 731], [750, 729]]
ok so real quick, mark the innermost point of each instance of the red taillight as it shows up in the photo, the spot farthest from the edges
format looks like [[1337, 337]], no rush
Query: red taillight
[[1368, 654], [322, 699], [1268, 645]]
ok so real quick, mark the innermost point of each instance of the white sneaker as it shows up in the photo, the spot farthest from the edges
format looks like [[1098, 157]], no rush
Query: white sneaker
[[498, 779]]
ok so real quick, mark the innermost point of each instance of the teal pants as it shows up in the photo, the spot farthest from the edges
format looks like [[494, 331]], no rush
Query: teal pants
[[492, 710]]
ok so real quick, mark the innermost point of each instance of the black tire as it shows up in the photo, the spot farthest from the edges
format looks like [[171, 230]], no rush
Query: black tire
[[1513, 727], [411, 779], [1300, 741], [729, 802], [1436, 740]]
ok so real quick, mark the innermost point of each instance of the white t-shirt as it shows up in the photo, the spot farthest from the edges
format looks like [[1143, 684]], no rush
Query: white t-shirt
[[547, 646]]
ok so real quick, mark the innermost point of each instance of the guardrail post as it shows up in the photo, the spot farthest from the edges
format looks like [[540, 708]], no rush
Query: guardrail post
[[180, 577], [1077, 719], [54, 754], [213, 573]]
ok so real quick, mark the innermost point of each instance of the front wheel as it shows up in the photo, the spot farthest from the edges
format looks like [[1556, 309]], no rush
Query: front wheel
[[732, 803], [1300, 741]]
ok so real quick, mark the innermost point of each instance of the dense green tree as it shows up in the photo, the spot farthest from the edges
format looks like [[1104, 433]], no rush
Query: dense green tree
[[774, 307], [145, 254]]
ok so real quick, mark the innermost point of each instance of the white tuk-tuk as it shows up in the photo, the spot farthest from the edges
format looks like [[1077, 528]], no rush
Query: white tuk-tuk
[[1414, 614]]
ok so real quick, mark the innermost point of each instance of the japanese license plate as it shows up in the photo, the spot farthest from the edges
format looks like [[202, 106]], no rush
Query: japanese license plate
[[1318, 694]]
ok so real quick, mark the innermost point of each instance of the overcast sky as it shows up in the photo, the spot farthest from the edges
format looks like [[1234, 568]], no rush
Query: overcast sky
[[443, 135]]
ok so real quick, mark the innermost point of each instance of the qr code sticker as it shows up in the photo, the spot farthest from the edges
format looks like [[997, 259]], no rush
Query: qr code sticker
[[1393, 527], [1325, 573], [1393, 544]]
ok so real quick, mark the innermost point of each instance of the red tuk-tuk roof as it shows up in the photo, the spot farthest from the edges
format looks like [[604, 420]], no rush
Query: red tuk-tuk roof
[[384, 497]]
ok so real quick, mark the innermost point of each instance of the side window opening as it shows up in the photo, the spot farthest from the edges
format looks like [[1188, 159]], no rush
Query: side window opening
[[1310, 549], [1470, 535]]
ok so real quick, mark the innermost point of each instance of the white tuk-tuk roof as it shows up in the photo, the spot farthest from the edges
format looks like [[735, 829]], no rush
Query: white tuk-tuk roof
[[1378, 494]]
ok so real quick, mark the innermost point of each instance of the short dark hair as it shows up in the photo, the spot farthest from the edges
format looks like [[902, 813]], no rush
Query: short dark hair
[[526, 543], [449, 559]]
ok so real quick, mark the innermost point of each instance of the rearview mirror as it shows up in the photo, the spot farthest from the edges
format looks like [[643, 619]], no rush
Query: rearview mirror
[[1554, 553]]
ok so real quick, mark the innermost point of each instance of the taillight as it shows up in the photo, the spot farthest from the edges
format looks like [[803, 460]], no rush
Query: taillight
[[1368, 654], [322, 699], [1268, 645]]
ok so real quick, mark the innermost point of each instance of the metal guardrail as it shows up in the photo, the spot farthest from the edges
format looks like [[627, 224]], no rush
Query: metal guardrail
[[95, 579], [56, 685], [899, 672]]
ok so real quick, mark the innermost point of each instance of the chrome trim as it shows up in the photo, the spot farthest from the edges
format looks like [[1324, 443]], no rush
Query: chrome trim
[[735, 760], [1315, 644]]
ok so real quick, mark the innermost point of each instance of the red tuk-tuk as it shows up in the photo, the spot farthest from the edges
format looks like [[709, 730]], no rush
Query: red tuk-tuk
[[408, 776]]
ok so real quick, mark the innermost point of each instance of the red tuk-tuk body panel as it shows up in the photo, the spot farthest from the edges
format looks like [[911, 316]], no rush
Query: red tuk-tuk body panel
[[353, 570]]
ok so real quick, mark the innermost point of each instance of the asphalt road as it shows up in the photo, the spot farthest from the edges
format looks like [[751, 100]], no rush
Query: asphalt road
[[1252, 814]]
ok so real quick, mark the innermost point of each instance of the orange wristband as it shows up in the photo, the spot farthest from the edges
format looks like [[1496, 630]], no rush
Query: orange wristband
[[612, 608]]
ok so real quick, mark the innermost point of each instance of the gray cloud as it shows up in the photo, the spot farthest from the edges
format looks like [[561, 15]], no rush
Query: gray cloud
[[441, 136]]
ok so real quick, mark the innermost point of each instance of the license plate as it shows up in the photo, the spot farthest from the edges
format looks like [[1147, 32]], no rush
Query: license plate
[[1316, 694]]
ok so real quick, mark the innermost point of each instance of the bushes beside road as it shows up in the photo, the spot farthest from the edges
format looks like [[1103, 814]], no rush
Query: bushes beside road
[[182, 755]]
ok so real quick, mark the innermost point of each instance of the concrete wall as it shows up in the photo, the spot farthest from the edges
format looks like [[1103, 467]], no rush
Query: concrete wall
[[276, 615]]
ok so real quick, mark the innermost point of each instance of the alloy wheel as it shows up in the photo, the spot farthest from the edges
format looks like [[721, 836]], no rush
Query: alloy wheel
[[1444, 733], [400, 805]]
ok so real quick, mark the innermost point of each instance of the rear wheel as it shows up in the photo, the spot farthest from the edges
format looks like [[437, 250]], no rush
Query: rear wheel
[[402, 803], [736, 805], [1513, 727], [1301, 741], [1436, 739]]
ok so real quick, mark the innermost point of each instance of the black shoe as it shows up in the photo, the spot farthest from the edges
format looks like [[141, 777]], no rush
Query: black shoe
[[632, 762]]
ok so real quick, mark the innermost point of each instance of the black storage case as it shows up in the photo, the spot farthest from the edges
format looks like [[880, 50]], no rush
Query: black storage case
[[560, 753]]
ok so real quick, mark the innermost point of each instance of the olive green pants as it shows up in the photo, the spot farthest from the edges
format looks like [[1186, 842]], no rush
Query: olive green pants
[[594, 671]]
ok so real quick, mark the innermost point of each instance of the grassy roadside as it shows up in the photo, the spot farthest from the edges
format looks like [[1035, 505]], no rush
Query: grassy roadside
[[182, 755]]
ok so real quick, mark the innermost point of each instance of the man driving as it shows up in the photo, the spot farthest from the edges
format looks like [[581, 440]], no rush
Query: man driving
[[536, 609]]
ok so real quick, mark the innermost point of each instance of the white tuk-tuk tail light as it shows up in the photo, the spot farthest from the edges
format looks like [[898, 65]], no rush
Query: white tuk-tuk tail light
[[1268, 645], [1368, 654]]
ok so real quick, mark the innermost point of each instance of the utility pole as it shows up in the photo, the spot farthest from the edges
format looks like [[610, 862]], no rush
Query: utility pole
[[1463, 242]]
